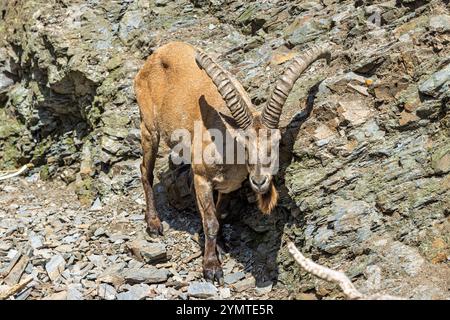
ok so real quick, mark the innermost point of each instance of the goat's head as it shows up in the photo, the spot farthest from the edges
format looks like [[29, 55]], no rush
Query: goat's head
[[259, 132]]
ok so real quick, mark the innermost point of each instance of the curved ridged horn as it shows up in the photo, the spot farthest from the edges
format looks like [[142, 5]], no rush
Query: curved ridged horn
[[272, 111], [231, 91]]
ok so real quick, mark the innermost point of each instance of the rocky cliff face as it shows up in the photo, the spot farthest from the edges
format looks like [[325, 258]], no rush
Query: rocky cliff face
[[365, 177]]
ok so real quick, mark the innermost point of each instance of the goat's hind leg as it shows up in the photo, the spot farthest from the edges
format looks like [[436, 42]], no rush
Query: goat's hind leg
[[150, 142]]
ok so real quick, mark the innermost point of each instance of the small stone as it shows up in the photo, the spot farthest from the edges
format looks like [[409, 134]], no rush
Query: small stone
[[373, 276], [323, 134], [5, 82], [71, 239], [125, 296], [134, 264], [92, 276], [118, 238], [149, 252], [440, 160], [305, 296], [36, 241], [136, 217], [55, 267], [113, 274], [426, 292], [202, 290], [66, 274], [282, 57], [166, 226], [136, 292], [264, 288], [13, 206], [407, 117], [110, 144], [107, 292], [146, 275], [62, 295], [234, 277], [437, 83], [73, 293], [354, 111], [183, 296], [245, 284], [360, 89], [440, 23], [97, 260], [228, 266], [4, 287], [33, 178], [303, 31], [224, 293], [24, 294], [161, 3], [9, 189], [5, 246], [11, 254], [113, 258], [99, 232], [97, 205]]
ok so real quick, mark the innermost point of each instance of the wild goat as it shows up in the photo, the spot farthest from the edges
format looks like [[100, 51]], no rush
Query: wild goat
[[180, 86]]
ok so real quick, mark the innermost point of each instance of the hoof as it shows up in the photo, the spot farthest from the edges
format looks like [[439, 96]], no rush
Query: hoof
[[154, 227], [154, 233], [213, 273]]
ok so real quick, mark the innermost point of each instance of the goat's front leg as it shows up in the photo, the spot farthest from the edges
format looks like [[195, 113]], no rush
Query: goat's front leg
[[212, 269]]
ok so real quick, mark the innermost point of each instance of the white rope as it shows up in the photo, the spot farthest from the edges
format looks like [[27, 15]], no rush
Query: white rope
[[334, 276], [16, 173]]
